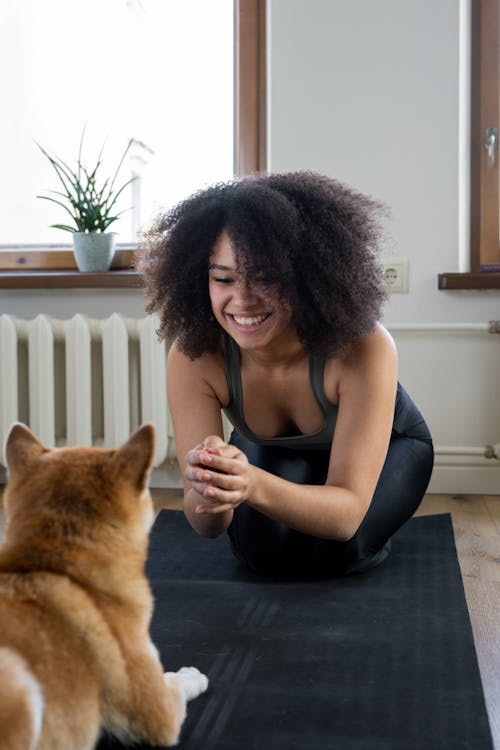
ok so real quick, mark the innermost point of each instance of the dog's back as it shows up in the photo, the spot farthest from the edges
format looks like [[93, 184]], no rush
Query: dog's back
[[75, 654]]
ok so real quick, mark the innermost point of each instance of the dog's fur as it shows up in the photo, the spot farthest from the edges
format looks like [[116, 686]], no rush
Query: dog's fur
[[75, 605]]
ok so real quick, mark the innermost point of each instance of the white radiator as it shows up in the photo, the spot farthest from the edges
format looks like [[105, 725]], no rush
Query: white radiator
[[84, 381]]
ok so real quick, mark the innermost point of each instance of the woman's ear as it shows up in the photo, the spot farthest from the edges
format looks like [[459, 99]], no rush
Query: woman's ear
[[134, 460], [21, 447]]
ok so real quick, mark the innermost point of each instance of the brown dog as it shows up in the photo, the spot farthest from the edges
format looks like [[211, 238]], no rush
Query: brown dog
[[75, 605]]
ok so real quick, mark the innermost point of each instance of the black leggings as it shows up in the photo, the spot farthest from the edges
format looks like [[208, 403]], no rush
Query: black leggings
[[272, 548]]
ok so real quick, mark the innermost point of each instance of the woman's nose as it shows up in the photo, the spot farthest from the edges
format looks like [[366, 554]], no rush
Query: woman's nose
[[246, 293]]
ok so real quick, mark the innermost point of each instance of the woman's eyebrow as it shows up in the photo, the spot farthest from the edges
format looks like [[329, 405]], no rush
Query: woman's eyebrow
[[217, 267]]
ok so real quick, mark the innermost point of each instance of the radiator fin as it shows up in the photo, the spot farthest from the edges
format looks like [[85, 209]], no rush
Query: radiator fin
[[41, 379], [116, 364], [78, 382], [8, 374]]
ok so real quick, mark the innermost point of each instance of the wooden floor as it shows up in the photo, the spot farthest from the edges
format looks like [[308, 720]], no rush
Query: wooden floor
[[476, 523]]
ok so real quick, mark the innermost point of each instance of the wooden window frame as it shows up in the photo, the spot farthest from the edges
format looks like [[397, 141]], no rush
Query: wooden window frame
[[484, 179], [53, 266], [250, 87]]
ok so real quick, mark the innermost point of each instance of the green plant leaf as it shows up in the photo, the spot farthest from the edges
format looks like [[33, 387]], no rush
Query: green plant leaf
[[80, 149], [65, 227], [88, 202], [120, 164], [53, 200], [62, 170], [117, 194]]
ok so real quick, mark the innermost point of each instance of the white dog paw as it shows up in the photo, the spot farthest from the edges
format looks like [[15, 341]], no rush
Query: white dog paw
[[191, 680]]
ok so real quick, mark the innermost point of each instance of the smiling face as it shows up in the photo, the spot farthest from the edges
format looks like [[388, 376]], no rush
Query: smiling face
[[252, 315]]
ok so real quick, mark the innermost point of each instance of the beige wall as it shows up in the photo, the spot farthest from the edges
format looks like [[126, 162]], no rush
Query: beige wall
[[374, 93], [369, 92]]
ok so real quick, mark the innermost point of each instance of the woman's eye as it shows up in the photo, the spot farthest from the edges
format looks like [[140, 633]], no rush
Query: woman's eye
[[223, 280]]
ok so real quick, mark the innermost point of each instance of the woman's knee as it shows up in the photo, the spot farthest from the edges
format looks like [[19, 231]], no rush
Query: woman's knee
[[400, 490]]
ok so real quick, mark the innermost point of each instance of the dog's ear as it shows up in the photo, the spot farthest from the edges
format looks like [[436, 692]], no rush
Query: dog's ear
[[21, 447], [134, 460]]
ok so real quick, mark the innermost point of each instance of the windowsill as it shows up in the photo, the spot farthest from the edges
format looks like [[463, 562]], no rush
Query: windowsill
[[129, 279], [54, 267], [478, 280], [68, 279]]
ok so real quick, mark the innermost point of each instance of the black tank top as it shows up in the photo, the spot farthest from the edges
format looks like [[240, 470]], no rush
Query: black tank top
[[408, 421], [322, 439]]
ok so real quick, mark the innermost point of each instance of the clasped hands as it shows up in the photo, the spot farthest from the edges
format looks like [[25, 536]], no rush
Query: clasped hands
[[220, 473]]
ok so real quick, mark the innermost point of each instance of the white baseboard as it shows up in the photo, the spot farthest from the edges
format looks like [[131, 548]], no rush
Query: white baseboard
[[465, 480], [445, 480], [166, 476]]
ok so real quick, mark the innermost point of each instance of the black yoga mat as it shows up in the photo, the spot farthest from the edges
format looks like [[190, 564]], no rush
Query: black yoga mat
[[384, 660]]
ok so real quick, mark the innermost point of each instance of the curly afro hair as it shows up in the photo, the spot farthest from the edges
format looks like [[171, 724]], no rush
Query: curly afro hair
[[312, 238]]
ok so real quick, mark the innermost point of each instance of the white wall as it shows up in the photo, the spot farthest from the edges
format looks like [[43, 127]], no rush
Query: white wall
[[64, 303], [369, 92]]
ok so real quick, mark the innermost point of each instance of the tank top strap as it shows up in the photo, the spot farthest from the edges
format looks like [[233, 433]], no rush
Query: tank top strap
[[233, 375], [316, 376], [234, 410]]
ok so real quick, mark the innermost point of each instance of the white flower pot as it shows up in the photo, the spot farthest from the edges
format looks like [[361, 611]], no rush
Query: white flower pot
[[94, 250]]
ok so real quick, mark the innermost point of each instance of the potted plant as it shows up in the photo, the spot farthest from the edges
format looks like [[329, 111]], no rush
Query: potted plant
[[91, 203]]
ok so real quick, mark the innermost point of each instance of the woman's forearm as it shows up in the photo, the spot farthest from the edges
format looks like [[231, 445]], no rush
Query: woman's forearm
[[227, 479], [323, 511], [204, 524]]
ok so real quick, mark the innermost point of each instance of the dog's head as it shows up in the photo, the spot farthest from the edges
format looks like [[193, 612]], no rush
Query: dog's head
[[60, 502]]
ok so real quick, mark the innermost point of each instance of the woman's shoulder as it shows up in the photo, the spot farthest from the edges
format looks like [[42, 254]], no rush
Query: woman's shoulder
[[377, 345], [370, 356], [207, 370]]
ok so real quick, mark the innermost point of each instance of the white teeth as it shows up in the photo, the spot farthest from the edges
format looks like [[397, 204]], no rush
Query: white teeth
[[249, 321]]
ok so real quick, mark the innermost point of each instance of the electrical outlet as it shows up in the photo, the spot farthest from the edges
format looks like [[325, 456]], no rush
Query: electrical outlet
[[396, 274]]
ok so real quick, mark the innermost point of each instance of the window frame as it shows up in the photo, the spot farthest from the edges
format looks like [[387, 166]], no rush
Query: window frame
[[485, 245], [484, 180], [250, 87], [53, 266]]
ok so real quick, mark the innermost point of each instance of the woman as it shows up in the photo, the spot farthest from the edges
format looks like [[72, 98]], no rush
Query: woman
[[270, 290]]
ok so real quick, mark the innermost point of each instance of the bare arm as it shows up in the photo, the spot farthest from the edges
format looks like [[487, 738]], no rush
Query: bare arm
[[195, 411], [367, 390]]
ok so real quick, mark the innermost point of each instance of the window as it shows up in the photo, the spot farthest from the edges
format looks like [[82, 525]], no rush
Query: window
[[484, 162], [250, 90], [224, 145], [485, 243], [160, 73]]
